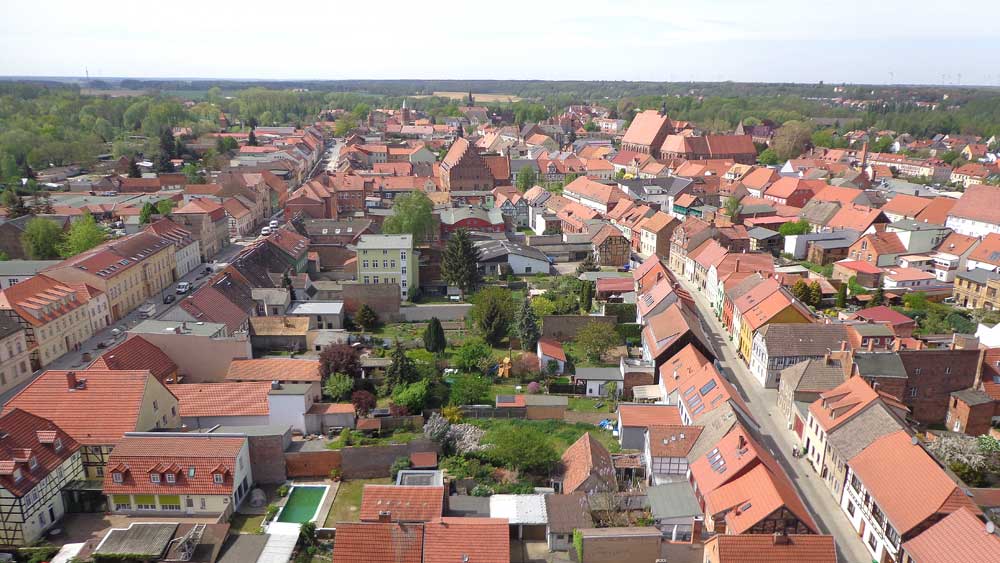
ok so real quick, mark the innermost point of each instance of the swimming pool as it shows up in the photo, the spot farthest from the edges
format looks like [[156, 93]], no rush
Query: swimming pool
[[303, 503]]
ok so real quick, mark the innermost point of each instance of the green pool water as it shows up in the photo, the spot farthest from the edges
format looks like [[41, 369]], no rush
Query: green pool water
[[302, 504]]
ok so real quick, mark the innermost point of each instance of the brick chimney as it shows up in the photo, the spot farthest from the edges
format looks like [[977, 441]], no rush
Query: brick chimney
[[779, 538], [384, 516], [71, 380]]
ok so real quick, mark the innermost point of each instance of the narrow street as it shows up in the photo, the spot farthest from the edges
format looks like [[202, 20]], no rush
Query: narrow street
[[779, 439]]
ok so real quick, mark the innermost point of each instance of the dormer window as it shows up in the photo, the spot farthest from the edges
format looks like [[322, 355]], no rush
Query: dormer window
[[33, 463], [171, 478], [57, 444], [18, 475], [219, 478], [154, 477], [117, 477]]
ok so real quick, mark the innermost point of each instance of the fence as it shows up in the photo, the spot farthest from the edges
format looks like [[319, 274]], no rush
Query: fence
[[355, 462], [494, 412]]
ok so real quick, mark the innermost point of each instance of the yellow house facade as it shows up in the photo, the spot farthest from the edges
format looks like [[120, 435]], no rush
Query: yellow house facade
[[129, 270], [779, 307], [388, 259], [53, 314]]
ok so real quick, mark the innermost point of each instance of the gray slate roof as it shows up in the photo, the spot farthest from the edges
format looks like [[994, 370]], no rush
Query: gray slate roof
[[972, 396], [760, 233], [813, 375], [790, 339], [673, 500], [490, 250], [568, 512], [819, 212], [604, 374], [880, 365], [148, 539], [859, 431]]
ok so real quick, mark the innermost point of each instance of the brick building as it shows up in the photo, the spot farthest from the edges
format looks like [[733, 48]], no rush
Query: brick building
[[463, 168]]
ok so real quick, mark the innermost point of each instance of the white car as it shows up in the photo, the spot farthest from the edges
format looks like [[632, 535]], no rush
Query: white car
[[183, 287], [265, 231], [274, 224]]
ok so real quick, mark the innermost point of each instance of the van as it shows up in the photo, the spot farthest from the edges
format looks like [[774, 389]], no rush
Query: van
[[147, 310], [183, 287]]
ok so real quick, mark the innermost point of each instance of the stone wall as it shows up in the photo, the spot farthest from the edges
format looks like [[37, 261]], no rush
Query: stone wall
[[444, 312], [564, 327], [368, 462], [383, 298], [312, 464], [266, 460]]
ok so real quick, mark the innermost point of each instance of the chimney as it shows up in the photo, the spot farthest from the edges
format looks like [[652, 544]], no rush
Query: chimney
[[742, 443], [71, 380], [843, 345], [826, 359], [384, 516], [871, 344], [779, 538]]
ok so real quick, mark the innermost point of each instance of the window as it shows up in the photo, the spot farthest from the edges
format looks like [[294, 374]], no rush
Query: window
[[156, 406], [173, 411], [57, 444], [855, 483], [873, 541], [154, 477], [385, 263], [913, 392], [917, 371], [18, 475], [850, 508], [364, 264], [171, 478], [191, 472], [947, 370], [218, 478], [375, 279], [117, 477], [33, 463]]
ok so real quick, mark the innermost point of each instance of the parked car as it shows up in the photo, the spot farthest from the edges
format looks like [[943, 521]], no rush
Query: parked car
[[265, 231], [168, 299], [183, 287], [273, 224], [147, 310]]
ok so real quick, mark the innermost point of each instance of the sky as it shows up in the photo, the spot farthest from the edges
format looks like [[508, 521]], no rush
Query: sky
[[855, 41]]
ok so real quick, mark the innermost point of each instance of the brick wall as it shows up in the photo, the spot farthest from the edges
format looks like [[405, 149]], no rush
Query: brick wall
[[383, 298], [609, 549], [932, 375], [566, 326], [367, 462], [546, 412], [267, 461], [313, 464]]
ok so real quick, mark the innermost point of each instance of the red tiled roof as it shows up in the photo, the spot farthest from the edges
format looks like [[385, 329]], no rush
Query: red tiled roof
[[906, 205], [883, 314], [596, 191], [137, 353], [27, 436], [988, 250], [979, 202], [38, 293], [926, 491], [838, 405], [672, 440], [937, 211], [379, 542], [645, 127], [958, 538], [136, 457], [472, 540], [247, 398], [271, 369], [331, 408], [423, 460], [584, 458], [762, 548], [208, 304], [644, 416], [404, 504], [116, 395], [615, 285], [552, 348], [957, 244], [860, 267]]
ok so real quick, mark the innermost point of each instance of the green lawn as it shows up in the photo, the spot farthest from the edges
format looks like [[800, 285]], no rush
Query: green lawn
[[580, 359], [562, 434], [587, 404], [347, 503], [246, 523]]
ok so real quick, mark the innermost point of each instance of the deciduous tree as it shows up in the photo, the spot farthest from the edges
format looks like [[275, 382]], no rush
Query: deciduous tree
[[412, 214], [363, 402], [338, 386], [84, 234], [41, 239], [791, 139], [595, 339], [340, 358]]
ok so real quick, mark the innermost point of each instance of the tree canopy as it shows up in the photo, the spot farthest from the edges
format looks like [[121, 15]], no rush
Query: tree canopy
[[459, 262], [42, 239], [412, 214], [83, 234]]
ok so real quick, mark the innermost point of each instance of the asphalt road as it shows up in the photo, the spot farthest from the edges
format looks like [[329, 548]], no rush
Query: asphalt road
[[762, 402], [75, 359]]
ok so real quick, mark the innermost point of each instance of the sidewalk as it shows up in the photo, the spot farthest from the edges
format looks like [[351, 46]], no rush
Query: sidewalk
[[824, 509]]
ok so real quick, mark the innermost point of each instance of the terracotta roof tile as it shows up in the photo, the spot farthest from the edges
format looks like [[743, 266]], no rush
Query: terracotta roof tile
[[937, 211], [274, 369], [979, 202], [552, 348], [672, 440], [137, 353], [762, 548], [117, 395], [472, 540], [376, 542], [404, 504], [584, 458], [136, 457], [906, 502], [222, 399], [648, 415], [25, 433], [906, 205]]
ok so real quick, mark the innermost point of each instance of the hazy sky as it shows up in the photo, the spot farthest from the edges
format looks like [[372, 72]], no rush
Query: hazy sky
[[917, 41]]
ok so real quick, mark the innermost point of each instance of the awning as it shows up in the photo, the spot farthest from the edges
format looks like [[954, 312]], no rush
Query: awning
[[646, 392]]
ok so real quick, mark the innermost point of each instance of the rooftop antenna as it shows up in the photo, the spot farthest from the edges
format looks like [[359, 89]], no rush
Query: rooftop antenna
[[86, 71]]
